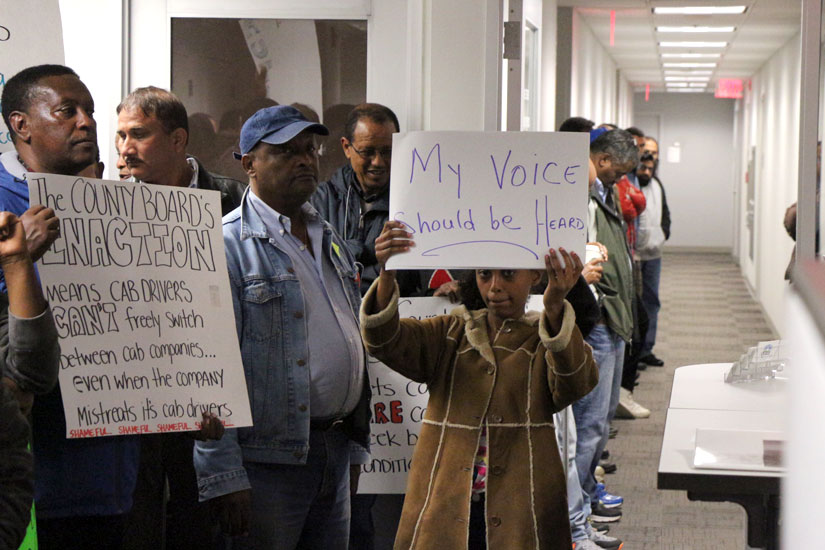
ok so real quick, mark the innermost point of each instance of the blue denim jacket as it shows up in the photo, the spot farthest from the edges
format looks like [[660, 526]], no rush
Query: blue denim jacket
[[272, 331]]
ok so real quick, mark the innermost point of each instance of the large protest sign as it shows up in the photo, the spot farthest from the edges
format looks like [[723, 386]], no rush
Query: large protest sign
[[489, 199], [398, 407], [138, 286], [30, 34]]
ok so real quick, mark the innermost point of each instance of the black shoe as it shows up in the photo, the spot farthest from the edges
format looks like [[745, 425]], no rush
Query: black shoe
[[651, 360], [600, 514], [612, 433], [609, 467], [605, 454], [602, 528]]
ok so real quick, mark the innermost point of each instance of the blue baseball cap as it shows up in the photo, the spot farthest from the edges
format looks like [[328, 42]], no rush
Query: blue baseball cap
[[275, 125], [595, 134]]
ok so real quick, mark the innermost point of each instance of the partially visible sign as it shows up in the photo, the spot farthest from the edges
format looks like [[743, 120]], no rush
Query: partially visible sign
[[30, 34], [729, 88]]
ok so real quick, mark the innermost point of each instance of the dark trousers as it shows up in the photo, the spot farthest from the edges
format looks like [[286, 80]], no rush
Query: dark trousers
[[80, 532], [478, 525], [182, 522]]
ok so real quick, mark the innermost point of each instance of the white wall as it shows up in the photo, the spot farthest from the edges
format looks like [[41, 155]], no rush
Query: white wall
[[772, 125], [93, 50], [549, 42], [700, 188], [594, 79]]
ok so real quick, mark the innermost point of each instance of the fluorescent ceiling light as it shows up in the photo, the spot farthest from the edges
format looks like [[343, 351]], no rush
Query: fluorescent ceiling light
[[677, 84], [696, 28], [687, 78], [697, 85], [690, 65], [693, 44], [700, 10], [685, 90], [692, 55], [687, 73]]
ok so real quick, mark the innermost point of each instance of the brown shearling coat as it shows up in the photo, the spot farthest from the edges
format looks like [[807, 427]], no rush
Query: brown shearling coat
[[513, 387]]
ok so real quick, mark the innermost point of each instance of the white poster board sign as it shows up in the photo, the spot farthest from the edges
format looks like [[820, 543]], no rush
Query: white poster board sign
[[398, 406], [489, 199], [139, 289], [30, 34]]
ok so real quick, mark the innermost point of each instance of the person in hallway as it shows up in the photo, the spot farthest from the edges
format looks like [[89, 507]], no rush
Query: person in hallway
[[613, 154], [576, 124], [50, 114], [152, 140], [285, 481], [468, 359], [654, 230]]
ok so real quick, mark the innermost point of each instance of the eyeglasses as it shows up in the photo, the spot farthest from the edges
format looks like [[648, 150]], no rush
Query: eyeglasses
[[368, 153]]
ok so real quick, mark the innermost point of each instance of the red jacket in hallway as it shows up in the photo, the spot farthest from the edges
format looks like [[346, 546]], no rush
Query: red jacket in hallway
[[633, 204]]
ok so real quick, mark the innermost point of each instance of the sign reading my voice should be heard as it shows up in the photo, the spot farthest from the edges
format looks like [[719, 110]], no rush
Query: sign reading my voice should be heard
[[489, 199]]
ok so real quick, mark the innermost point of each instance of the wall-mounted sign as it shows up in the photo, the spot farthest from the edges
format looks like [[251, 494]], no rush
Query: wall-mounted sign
[[729, 88]]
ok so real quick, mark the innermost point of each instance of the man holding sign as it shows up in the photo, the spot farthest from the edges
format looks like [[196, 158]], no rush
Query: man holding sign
[[286, 481], [49, 112]]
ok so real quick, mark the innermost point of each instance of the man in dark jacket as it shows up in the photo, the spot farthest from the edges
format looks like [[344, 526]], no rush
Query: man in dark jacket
[[152, 135]]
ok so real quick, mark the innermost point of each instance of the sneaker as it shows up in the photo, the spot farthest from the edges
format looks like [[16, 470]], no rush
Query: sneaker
[[600, 514], [604, 541], [609, 500], [651, 360], [586, 544], [608, 467], [602, 528], [628, 408], [598, 473]]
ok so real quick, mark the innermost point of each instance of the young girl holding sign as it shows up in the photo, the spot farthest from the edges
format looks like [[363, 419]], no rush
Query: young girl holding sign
[[486, 467]]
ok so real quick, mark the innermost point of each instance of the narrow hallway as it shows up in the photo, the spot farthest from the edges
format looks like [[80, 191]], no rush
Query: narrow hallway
[[707, 316]]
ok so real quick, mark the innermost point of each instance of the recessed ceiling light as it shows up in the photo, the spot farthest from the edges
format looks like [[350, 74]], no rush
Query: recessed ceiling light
[[692, 55], [687, 78], [700, 10], [696, 28], [687, 73], [690, 65], [693, 44]]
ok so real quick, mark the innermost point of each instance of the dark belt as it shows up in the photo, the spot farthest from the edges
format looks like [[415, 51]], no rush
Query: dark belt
[[323, 425]]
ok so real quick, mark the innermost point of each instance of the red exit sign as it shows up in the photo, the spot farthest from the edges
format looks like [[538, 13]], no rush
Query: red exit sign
[[730, 88]]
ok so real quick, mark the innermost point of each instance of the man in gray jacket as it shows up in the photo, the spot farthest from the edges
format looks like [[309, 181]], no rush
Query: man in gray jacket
[[654, 230]]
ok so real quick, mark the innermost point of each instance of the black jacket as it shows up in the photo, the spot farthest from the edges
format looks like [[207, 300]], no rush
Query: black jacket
[[359, 220], [16, 481], [231, 190]]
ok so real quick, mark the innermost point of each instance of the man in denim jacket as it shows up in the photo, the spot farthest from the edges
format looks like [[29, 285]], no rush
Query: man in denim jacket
[[285, 482]]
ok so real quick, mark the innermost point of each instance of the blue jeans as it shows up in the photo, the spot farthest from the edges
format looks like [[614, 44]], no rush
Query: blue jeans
[[651, 272], [579, 527], [594, 411], [302, 506]]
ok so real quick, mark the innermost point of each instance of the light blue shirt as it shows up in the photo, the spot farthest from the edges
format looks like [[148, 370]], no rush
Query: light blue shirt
[[336, 354]]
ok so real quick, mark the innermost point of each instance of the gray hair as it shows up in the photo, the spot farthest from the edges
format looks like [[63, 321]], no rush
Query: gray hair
[[619, 144]]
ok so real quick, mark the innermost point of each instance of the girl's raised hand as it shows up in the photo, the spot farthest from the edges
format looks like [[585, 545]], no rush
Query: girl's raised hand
[[560, 279], [394, 239]]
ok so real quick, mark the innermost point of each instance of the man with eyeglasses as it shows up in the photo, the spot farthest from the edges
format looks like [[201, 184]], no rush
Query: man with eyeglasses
[[356, 200], [285, 481]]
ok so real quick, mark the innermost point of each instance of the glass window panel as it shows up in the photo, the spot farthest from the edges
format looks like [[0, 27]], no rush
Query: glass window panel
[[226, 69]]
